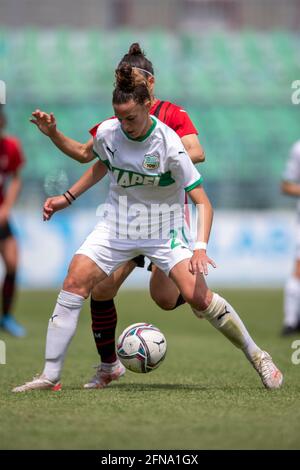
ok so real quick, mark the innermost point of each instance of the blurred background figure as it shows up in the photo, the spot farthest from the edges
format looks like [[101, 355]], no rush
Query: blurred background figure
[[11, 161], [291, 187]]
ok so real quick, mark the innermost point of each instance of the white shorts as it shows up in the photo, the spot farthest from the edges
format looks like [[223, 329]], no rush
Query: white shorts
[[298, 240], [110, 253]]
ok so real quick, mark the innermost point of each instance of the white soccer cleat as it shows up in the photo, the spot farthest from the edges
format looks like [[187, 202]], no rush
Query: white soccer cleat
[[103, 377], [40, 382], [270, 375]]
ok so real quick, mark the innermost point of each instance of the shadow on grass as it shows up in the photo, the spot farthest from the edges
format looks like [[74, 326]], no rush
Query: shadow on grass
[[141, 387], [145, 387]]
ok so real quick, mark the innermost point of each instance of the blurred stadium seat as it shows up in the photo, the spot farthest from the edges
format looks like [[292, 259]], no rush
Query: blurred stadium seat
[[235, 85]]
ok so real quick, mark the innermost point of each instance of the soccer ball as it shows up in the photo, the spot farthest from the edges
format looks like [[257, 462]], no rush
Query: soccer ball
[[141, 347]]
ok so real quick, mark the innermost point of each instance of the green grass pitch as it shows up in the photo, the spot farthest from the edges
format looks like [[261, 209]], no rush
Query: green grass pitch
[[204, 396]]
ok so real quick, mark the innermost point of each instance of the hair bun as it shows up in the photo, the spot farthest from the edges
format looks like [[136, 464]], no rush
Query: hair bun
[[135, 49], [124, 78]]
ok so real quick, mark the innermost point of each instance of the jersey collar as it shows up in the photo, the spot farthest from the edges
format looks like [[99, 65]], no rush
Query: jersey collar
[[142, 137]]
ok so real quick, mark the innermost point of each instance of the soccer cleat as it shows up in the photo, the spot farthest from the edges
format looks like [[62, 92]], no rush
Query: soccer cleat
[[270, 375], [40, 382], [288, 330], [103, 377], [10, 324]]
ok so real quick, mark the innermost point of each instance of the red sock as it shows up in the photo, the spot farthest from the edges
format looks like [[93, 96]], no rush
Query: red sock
[[104, 322], [8, 291]]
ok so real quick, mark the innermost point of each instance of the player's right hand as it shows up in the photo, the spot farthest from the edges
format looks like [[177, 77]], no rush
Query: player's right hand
[[199, 262], [52, 205], [44, 121]]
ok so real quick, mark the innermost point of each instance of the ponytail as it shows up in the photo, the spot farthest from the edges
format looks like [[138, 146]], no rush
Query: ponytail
[[130, 85]]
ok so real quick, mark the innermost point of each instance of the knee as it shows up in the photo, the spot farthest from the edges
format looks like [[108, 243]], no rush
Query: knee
[[11, 266], [11, 271], [164, 302], [101, 292], [198, 300], [74, 285], [164, 299], [297, 271]]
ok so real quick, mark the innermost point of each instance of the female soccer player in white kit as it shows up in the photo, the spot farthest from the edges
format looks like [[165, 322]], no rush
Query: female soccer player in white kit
[[291, 187], [162, 289], [147, 167]]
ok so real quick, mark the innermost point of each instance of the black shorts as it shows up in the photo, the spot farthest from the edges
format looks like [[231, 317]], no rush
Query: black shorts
[[139, 261], [5, 231], [150, 267]]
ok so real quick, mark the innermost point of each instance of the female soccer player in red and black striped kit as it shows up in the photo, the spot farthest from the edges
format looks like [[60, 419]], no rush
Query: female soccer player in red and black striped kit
[[11, 161], [163, 290]]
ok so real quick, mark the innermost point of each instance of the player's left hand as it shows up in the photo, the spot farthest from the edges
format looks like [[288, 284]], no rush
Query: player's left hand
[[199, 262], [4, 215], [52, 205]]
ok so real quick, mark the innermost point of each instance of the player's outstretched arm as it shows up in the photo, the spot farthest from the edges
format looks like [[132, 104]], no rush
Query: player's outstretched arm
[[194, 148], [11, 195], [56, 203], [199, 261], [46, 123], [92, 176], [291, 189]]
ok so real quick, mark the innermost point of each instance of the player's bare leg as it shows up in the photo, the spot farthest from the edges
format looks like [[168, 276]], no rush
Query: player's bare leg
[[104, 317], [82, 276], [224, 318], [164, 291], [291, 323], [108, 288], [9, 254]]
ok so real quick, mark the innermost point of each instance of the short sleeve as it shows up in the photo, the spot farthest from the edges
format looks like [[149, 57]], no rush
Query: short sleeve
[[93, 130], [292, 169], [16, 156], [182, 123], [181, 166]]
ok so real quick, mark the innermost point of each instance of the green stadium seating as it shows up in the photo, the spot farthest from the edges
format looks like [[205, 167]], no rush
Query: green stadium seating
[[235, 85]]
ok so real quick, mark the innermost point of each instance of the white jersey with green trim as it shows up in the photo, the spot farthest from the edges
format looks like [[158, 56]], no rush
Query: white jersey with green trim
[[292, 168], [145, 174]]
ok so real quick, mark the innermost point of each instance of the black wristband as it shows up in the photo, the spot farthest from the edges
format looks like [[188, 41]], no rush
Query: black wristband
[[73, 197], [67, 198]]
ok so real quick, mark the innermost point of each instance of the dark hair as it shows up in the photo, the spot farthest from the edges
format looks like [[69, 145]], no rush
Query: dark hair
[[136, 58], [130, 85]]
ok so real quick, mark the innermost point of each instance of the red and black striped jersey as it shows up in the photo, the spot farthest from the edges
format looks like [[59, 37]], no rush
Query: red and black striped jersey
[[171, 114], [174, 116], [11, 160]]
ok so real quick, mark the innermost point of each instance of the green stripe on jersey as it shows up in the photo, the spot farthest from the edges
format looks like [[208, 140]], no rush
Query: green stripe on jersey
[[194, 185], [106, 162], [127, 178]]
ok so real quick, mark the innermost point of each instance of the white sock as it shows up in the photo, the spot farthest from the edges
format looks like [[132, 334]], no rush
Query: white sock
[[110, 365], [61, 329], [225, 319], [292, 302]]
